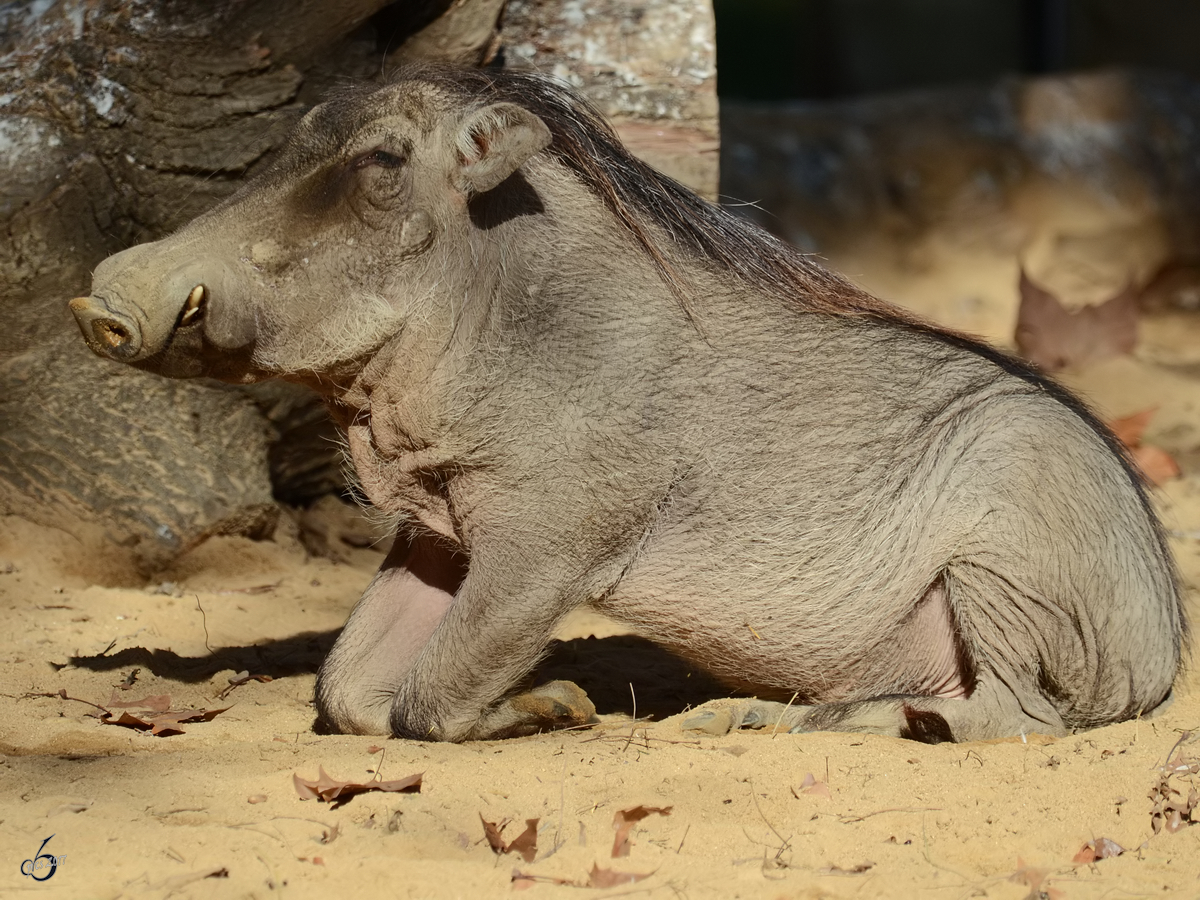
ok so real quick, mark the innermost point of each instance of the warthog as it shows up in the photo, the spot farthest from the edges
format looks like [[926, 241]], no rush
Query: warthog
[[574, 382]]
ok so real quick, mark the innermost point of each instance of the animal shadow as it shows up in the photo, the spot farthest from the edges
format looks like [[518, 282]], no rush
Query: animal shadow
[[623, 672]]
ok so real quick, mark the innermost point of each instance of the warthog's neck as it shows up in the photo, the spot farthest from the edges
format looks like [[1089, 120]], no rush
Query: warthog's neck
[[530, 312]]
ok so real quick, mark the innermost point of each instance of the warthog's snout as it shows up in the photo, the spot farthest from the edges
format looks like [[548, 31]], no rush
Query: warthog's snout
[[117, 335], [160, 297], [107, 333]]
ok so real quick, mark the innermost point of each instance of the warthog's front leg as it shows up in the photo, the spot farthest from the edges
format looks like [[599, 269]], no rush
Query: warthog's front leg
[[492, 636], [387, 643], [386, 633]]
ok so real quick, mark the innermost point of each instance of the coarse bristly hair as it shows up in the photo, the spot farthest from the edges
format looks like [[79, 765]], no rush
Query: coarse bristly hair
[[643, 200], [649, 204]]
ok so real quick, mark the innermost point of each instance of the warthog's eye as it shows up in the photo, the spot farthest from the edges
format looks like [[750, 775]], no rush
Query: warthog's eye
[[380, 158]]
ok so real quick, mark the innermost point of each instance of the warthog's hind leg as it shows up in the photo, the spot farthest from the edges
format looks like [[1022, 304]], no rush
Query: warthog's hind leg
[[992, 711]]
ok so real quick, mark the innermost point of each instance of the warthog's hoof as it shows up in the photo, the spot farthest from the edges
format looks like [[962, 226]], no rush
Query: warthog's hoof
[[745, 714], [556, 704], [710, 721]]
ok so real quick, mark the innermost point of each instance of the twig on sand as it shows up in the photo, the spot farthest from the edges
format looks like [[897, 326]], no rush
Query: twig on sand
[[846, 820], [633, 727], [204, 622], [775, 730], [61, 694], [785, 844]]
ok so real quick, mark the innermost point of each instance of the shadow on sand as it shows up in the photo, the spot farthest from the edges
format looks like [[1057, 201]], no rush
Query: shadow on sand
[[623, 674]]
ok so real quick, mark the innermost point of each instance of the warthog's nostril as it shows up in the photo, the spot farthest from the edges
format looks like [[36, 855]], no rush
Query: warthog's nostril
[[194, 308], [112, 334], [109, 333]]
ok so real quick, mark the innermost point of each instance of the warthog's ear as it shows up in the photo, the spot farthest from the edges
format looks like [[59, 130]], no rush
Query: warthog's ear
[[494, 142]]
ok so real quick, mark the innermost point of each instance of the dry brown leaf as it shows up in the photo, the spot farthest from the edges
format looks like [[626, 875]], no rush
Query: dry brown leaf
[[241, 678], [1173, 811], [1101, 848], [154, 714], [625, 819], [1154, 462], [853, 870], [157, 703], [1129, 429], [522, 880], [1052, 337], [491, 831], [328, 788], [524, 844], [606, 878], [810, 785]]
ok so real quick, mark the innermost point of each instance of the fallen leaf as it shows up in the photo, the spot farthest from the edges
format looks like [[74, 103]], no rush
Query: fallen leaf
[[853, 870], [1086, 854], [328, 788], [524, 844], [155, 715], [810, 785], [625, 819], [491, 831], [1101, 848], [1129, 429], [606, 878], [157, 703], [1171, 810], [241, 678], [1154, 462], [1053, 337], [522, 880]]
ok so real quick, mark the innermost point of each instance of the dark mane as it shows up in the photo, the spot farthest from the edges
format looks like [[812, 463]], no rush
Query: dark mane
[[645, 201]]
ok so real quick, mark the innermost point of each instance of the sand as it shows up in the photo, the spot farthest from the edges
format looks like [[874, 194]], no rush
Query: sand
[[213, 813]]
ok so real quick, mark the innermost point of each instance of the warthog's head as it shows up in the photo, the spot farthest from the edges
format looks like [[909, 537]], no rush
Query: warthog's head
[[342, 243]]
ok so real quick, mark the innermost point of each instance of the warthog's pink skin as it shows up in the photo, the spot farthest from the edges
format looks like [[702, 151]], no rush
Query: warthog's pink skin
[[573, 382]]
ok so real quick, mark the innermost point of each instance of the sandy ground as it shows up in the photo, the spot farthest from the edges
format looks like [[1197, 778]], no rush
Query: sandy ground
[[213, 812]]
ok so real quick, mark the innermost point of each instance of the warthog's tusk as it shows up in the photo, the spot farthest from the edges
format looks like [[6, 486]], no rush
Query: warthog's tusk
[[195, 302]]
